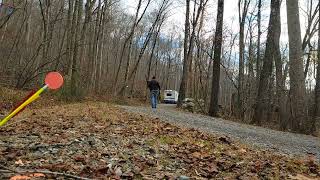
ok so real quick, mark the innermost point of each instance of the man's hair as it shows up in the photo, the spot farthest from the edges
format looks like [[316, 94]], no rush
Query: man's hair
[[153, 77]]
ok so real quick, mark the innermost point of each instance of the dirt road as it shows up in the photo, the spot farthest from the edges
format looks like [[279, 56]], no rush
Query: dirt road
[[282, 142]]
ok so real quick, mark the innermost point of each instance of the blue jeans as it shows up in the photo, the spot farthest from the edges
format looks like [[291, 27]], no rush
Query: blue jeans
[[154, 98]]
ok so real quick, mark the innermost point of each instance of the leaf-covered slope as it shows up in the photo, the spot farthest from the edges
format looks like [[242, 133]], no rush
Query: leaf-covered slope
[[99, 140]]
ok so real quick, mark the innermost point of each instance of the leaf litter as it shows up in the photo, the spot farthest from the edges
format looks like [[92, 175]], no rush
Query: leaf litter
[[100, 141]]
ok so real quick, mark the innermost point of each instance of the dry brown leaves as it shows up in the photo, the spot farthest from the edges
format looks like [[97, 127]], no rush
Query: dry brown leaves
[[97, 140]]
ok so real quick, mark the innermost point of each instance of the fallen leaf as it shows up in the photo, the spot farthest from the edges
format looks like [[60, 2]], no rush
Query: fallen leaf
[[19, 162], [37, 175], [19, 177], [242, 151], [212, 168], [300, 177], [196, 154]]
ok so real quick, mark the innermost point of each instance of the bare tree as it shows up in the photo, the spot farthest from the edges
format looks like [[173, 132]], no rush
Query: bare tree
[[195, 24], [298, 108], [188, 48], [160, 17], [136, 21], [184, 80], [272, 54], [244, 6], [214, 106], [259, 40], [316, 114]]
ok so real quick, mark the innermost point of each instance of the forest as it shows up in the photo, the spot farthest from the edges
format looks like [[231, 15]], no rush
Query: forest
[[248, 72], [253, 67]]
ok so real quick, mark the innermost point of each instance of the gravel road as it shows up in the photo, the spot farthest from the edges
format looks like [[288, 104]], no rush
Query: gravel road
[[281, 142]]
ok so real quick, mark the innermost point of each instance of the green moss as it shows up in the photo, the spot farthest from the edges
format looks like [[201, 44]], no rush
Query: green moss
[[204, 144], [147, 130], [165, 139], [151, 142]]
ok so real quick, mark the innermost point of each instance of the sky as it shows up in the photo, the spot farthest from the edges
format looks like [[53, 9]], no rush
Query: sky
[[230, 15], [177, 15]]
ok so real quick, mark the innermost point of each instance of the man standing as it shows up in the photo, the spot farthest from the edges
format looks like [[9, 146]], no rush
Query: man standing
[[154, 87]]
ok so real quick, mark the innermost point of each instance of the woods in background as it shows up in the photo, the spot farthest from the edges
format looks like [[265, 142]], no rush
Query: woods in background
[[97, 46], [252, 73]]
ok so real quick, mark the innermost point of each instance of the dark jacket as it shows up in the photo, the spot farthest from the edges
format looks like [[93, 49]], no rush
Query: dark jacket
[[153, 85]]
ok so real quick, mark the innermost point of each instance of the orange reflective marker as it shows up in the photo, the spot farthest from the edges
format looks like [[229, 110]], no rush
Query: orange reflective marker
[[53, 80]]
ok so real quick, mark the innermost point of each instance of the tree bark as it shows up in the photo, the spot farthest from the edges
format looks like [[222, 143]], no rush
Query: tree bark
[[316, 115], [259, 41], [74, 75], [272, 54], [155, 35], [101, 49], [214, 106], [298, 115], [95, 48], [242, 20], [185, 72]]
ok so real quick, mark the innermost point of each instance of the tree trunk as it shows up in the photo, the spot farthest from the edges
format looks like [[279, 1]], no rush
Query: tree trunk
[[151, 58], [259, 41], [281, 96], [242, 20], [298, 116], [272, 53], [74, 74], [168, 71], [95, 48], [316, 116], [88, 14], [251, 84], [184, 80], [70, 26], [155, 35], [101, 49], [214, 106]]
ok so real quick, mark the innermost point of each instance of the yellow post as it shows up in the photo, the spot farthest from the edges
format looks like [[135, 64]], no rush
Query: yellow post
[[27, 102]]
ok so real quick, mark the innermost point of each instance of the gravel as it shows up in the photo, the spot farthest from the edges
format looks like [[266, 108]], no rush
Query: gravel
[[282, 142]]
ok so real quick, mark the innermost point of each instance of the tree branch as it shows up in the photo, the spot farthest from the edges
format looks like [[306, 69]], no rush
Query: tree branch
[[9, 170]]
